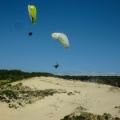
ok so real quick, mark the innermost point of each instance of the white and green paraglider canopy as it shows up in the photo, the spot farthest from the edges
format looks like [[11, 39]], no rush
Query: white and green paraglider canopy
[[62, 38]]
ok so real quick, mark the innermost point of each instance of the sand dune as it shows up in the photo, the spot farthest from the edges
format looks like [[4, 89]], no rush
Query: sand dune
[[95, 98]]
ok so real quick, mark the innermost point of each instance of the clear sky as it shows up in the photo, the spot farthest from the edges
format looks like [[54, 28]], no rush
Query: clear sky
[[92, 27]]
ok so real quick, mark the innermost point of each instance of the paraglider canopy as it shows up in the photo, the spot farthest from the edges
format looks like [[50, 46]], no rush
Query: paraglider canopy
[[62, 38], [32, 13]]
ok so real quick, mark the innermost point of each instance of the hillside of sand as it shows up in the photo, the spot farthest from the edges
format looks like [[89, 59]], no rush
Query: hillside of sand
[[50, 98]]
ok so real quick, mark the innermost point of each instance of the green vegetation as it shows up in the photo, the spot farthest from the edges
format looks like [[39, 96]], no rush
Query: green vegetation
[[19, 95], [7, 76], [109, 80], [90, 116], [14, 75]]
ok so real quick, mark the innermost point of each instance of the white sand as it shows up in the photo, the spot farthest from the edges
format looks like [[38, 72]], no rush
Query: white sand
[[96, 98]]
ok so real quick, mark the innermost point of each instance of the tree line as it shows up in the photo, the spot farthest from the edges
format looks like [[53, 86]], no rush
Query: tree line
[[109, 80], [14, 75]]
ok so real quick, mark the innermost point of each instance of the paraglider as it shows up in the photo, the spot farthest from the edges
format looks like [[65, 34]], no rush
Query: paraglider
[[30, 33], [62, 38], [56, 66], [33, 15]]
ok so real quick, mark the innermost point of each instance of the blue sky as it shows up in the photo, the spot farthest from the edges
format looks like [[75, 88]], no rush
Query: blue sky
[[92, 27]]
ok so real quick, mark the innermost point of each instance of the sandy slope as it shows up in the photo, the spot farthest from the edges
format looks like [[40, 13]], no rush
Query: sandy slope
[[96, 98]]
